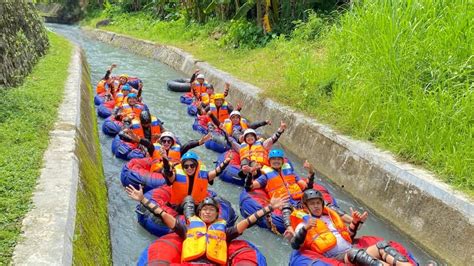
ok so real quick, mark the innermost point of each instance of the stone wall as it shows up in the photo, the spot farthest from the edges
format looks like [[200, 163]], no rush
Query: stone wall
[[412, 199], [23, 41]]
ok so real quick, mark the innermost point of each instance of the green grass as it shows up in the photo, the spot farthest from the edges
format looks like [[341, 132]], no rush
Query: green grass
[[28, 114], [397, 73], [91, 235]]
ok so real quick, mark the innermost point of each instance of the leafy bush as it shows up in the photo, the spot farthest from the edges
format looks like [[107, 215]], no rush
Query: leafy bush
[[308, 30], [244, 34]]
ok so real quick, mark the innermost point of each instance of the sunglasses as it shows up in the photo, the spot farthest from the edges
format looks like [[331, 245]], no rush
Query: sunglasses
[[167, 141], [186, 166]]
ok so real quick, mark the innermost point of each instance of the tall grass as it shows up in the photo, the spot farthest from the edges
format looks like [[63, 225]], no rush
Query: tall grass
[[398, 73], [401, 75]]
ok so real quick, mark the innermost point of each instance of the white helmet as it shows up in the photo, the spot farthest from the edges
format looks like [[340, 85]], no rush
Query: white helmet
[[235, 112], [249, 131], [168, 134], [200, 76]]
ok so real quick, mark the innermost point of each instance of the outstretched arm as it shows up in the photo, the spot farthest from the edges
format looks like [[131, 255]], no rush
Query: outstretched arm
[[267, 144], [307, 165], [168, 172], [137, 194], [275, 203], [212, 174]]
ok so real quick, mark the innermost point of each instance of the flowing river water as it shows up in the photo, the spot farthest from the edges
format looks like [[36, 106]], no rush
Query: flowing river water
[[128, 238]]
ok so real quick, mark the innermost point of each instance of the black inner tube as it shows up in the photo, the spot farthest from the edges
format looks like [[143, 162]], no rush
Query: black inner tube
[[179, 85]]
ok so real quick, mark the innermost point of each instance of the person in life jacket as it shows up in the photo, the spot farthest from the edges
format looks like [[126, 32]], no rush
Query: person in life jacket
[[137, 84], [205, 236], [279, 179], [199, 86], [189, 177], [105, 82], [217, 108], [235, 125], [145, 126], [131, 108], [208, 96], [123, 78], [122, 96], [167, 144], [320, 229], [253, 151]]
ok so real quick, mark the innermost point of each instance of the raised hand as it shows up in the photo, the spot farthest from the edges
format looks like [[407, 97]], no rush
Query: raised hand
[[308, 166], [134, 137], [205, 138], [357, 217], [135, 194], [230, 157], [311, 223], [282, 126], [289, 233], [277, 203], [163, 153], [269, 122], [239, 106]]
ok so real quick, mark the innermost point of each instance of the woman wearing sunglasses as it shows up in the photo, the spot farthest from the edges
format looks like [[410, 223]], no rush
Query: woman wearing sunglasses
[[168, 145], [189, 177]]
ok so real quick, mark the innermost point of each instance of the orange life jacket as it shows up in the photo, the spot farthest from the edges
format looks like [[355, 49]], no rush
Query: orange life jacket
[[101, 87], [179, 189], [120, 99], [174, 155], [199, 88], [201, 240], [221, 113], [283, 183], [138, 129], [319, 238], [127, 110], [229, 127], [206, 98], [255, 152]]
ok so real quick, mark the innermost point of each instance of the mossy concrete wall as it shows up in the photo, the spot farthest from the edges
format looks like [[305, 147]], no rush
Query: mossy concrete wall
[[70, 200], [23, 41], [433, 214], [91, 236]]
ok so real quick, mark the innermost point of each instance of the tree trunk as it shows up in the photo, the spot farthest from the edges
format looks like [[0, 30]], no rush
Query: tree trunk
[[259, 13]]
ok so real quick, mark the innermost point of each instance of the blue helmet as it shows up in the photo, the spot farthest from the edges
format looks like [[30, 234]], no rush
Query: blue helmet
[[190, 155], [126, 87], [276, 154], [132, 95]]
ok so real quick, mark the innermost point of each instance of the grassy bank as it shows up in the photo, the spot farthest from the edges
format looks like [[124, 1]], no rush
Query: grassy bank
[[28, 114], [91, 235], [397, 74]]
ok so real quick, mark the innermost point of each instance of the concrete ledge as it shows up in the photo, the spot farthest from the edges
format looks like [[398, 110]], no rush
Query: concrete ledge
[[433, 214], [48, 228]]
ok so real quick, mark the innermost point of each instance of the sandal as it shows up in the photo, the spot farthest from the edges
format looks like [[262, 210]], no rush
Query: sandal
[[389, 250]]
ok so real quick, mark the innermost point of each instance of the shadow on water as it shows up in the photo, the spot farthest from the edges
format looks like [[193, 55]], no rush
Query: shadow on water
[[127, 237]]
